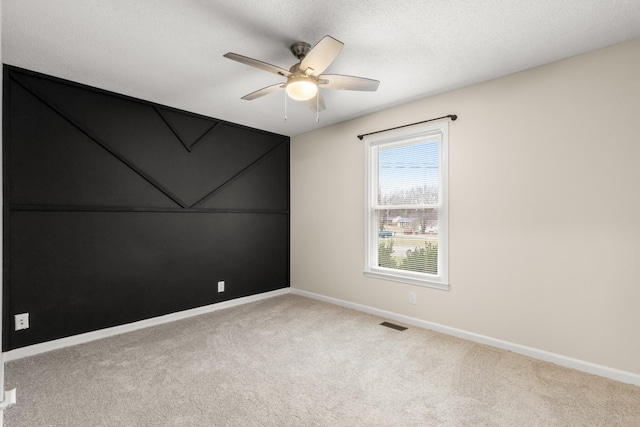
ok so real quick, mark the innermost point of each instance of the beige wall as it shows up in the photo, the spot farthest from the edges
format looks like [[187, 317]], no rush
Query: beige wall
[[544, 210]]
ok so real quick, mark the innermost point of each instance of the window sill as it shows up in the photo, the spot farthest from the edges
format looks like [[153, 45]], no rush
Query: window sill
[[435, 283]]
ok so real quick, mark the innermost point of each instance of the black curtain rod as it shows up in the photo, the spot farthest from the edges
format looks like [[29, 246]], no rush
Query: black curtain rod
[[453, 117]]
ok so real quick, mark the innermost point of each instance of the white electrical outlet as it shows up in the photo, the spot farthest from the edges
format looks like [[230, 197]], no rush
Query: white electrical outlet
[[22, 321], [412, 297], [221, 286]]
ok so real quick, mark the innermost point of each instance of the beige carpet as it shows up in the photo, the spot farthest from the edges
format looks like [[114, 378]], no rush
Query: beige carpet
[[292, 361]]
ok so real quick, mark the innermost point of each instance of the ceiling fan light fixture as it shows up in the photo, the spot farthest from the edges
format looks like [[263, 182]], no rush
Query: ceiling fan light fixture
[[301, 88], [305, 77]]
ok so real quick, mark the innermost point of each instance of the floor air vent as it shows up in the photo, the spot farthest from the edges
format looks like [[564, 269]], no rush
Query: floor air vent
[[393, 326]]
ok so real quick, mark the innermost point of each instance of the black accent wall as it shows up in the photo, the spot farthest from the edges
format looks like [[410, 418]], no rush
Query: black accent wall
[[118, 210]]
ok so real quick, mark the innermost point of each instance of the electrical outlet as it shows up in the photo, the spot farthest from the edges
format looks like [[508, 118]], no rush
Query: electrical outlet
[[22, 321], [412, 297], [221, 286]]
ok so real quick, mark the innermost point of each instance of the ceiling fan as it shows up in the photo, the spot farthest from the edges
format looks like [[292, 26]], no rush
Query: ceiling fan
[[305, 78]]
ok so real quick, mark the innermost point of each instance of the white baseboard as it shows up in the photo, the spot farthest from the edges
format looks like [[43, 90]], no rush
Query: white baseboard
[[129, 327], [568, 362]]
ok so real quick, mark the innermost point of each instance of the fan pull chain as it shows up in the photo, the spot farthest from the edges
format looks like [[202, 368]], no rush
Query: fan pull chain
[[285, 106], [318, 107]]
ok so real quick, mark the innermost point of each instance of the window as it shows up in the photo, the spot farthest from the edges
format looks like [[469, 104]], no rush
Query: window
[[406, 209]]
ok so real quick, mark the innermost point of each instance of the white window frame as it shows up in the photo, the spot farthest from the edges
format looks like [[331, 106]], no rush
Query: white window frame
[[406, 136]]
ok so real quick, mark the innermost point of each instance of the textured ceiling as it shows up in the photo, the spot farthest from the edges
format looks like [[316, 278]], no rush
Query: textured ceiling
[[170, 52]]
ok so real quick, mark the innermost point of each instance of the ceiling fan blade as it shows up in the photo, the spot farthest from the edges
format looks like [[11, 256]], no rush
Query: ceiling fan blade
[[314, 103], [264, 91], [257, 64], [338, 81], [321, 55]]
